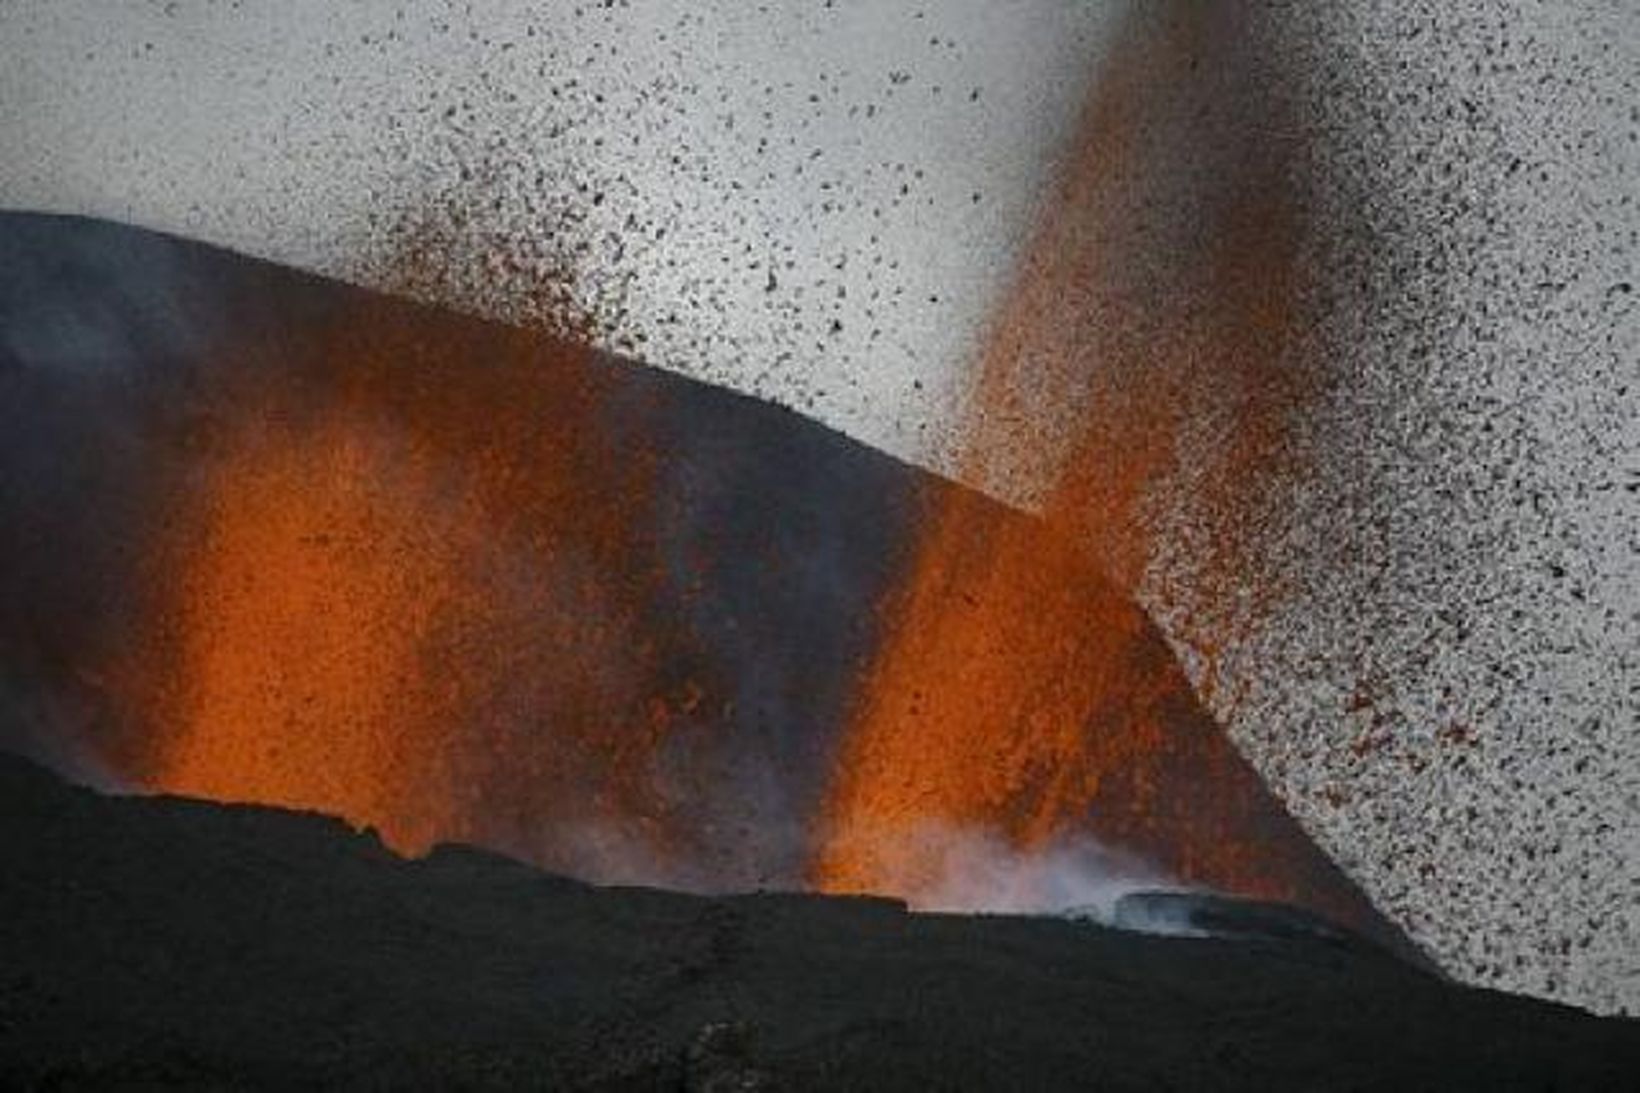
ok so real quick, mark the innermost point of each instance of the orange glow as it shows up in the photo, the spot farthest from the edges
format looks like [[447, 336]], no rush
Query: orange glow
[[414, 587], [1138, 364], [976, 715], [303, 618]]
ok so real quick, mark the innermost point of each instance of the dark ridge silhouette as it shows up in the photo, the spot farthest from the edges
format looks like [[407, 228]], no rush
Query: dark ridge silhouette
[[162, 942]]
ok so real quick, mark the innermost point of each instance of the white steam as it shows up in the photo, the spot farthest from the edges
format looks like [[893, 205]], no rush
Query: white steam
[[973, 870]]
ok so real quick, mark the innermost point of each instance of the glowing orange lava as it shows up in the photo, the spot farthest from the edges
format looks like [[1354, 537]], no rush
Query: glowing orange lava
[[306, 618], [977, 714], [413, 587]]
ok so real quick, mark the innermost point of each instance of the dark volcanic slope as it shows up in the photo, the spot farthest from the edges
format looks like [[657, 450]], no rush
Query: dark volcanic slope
[[159, 940], [266, 537]]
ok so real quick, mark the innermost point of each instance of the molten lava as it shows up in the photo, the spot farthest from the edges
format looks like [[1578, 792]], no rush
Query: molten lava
[[1005, 646], [306, 619], [413, 585]]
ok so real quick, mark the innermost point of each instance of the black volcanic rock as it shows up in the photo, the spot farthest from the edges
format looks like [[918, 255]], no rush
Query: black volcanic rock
[[169, 943]]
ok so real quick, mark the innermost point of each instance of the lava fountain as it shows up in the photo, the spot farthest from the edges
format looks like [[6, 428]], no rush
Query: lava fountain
[[1140, 367]]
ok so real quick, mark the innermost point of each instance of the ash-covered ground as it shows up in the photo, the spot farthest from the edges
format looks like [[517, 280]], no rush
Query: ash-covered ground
[[170, 943]]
